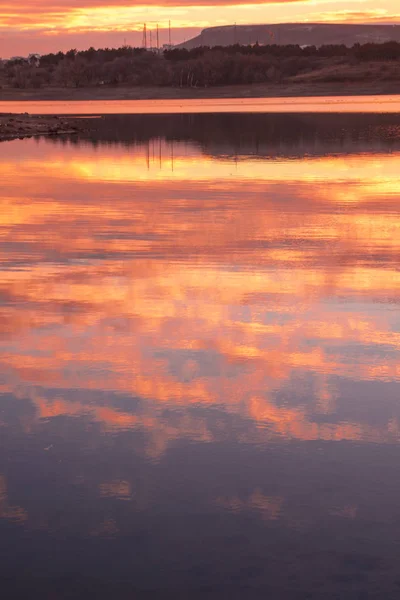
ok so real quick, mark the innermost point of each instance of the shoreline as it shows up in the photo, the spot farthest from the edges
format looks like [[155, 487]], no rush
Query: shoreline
[[18, 126], [284, 90]]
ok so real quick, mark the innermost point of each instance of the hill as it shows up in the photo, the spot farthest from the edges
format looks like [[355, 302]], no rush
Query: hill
[[303, 34]]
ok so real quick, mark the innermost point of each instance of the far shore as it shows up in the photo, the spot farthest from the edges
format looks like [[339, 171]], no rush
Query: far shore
[[168, 93]]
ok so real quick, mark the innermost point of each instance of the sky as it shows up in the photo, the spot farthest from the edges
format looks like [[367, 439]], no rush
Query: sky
[[50, 25]]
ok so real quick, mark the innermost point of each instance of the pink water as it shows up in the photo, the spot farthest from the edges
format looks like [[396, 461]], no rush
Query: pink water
[[339, 104]]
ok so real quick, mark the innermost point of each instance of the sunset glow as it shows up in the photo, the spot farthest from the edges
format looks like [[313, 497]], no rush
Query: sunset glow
[[195, 305], [38, 26]]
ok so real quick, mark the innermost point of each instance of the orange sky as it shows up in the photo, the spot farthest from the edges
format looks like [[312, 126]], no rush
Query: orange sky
[[46, 25]]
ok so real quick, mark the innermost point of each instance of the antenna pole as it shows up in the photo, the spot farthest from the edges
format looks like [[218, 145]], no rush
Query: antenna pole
[[158, 41], [169, 32], [144, 41]]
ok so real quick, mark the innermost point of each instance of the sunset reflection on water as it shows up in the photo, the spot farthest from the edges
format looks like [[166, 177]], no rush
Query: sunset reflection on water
[[193, 298]]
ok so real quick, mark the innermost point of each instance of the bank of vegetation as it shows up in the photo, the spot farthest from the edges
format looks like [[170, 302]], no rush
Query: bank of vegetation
[[205, 67]]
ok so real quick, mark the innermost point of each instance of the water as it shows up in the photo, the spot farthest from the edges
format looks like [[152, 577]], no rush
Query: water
[[318, 104], [200, 329]]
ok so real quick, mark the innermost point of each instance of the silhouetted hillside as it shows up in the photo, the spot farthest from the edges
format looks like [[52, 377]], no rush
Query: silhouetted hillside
[[303, 34]]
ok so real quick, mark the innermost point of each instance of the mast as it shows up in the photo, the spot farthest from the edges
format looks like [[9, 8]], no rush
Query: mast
[[144, 39]]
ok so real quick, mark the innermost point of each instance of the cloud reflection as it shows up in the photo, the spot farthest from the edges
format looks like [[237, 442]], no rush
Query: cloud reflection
[[260, 287]]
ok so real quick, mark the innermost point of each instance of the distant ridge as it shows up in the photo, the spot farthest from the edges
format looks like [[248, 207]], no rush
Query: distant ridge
[[303, 34]]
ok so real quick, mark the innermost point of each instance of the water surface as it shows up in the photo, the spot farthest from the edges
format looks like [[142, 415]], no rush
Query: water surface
[[305, 104], [200, 330]]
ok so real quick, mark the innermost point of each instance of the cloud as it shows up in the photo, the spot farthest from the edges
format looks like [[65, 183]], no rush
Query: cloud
[[32, 7], [357, 16], [65, 14]]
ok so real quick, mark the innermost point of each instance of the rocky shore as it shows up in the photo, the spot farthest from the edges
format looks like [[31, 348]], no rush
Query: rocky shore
[[14, 126]]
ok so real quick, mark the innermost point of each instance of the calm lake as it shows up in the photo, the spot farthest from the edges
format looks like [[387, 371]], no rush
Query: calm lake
[[200, 370], [315, 104]]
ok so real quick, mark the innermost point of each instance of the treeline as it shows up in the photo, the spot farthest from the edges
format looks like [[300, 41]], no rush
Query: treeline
[[362, 52], [200, 67]]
